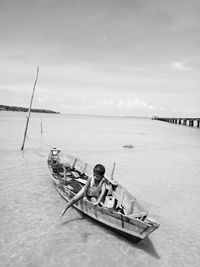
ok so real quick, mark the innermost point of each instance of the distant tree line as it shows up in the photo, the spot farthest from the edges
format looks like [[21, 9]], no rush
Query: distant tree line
[[14, 108]]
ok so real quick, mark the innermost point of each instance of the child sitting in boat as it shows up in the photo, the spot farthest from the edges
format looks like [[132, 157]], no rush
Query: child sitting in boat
[[94, 189], [95, 186]]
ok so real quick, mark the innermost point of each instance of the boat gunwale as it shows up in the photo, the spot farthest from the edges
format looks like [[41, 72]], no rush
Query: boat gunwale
[[146, 228]]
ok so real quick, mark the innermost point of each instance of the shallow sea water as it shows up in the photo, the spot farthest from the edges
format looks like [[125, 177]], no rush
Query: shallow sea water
[[162, 171]]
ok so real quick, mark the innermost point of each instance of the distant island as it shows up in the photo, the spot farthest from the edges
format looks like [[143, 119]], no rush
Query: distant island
[[14, 108]]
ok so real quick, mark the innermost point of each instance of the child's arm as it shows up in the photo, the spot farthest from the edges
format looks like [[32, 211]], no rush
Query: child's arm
[[103, 189], [86, 186]]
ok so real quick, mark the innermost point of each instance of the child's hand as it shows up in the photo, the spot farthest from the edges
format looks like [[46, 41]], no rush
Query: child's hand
[[95, 203]]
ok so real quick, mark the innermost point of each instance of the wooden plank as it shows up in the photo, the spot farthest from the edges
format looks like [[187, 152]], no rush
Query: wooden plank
[[82, 181]]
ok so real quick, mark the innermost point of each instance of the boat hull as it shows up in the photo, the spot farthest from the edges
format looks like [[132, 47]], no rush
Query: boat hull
[[127, 225]]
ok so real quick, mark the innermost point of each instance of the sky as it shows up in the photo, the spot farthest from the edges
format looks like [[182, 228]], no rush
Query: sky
[[102, 57]]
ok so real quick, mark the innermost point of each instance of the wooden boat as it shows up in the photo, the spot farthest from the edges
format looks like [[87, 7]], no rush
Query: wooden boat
[[119, 211]]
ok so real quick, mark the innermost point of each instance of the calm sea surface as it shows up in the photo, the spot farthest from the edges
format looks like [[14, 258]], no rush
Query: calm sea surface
[[162, 171]]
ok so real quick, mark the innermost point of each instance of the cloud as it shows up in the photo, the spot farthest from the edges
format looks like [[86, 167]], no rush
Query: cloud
[[139, 103], [193, 110], [42, 99], [152, 107], [120, 104], [136, 103], [107, 103], [180, 66], [125, 104]]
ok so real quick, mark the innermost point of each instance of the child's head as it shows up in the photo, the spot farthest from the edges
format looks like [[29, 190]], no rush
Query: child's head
[[99, 171]]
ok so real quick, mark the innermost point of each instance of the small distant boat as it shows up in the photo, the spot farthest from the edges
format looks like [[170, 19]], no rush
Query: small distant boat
[[128, 146], [120, 211]]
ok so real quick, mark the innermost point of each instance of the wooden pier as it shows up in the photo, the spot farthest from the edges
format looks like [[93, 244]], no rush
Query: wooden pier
[[192, 122]]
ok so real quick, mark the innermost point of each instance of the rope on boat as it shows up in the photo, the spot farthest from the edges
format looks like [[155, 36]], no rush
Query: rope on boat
[[39, 141], [85, 167]]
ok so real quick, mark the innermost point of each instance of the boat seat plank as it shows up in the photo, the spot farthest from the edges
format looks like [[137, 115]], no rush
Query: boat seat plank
[[82, 181]]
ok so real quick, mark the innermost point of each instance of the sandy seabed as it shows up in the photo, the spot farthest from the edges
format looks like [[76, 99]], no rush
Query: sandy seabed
[[164, 161]]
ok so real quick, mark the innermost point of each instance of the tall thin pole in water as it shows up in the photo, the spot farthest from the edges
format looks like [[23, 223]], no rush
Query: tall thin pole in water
[[29, 111], [112, 174]]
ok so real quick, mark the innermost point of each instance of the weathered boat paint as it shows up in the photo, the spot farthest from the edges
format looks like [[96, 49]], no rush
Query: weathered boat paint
[[129, 224]]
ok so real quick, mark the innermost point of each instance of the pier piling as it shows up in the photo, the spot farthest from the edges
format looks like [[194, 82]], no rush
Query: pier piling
[[192, 122]]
